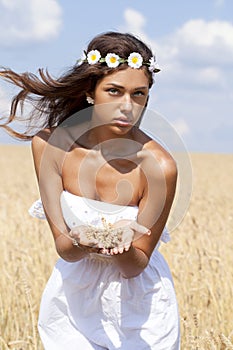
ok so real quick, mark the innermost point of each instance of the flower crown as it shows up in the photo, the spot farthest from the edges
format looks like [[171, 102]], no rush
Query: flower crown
[[112, 60]]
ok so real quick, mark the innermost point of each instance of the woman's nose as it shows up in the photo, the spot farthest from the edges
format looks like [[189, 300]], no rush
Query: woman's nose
[[126, 103]]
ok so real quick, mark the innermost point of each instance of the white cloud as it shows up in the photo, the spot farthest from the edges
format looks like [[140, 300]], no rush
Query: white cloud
[[203, 42], [4, 103], [210, 75], [201, 33], [23, 21], [134, 19], [197, 41], [135, 23], [219, 3], [196, 62], [181, 126], [196, 55]]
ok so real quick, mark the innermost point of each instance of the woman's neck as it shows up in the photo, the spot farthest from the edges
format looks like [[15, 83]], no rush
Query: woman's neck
[[104, 133]]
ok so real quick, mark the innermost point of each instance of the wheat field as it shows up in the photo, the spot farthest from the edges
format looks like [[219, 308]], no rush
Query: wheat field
[[199, 255]]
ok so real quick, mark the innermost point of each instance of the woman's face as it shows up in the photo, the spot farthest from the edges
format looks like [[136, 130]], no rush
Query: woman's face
[[120, 98]]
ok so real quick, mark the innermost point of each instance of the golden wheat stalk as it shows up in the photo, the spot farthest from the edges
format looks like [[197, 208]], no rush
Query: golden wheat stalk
[[33, 339]]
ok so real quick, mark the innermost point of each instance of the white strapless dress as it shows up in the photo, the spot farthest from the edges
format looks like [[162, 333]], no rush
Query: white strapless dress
[[89, 305]]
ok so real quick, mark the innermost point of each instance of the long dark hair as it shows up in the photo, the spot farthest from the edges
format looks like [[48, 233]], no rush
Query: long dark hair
[[54, 100]]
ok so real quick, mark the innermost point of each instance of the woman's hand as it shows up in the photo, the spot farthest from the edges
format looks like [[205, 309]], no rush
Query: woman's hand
[[109, 240], [82, 238], [127, 232]]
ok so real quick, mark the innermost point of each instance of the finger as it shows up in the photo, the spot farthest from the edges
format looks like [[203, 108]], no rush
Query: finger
[[122, 223], [102, 251], [74, 233], [93, 245], [115, 250], [105, 251], [139, 228], [126, 247], [121, 249], [100, 245]]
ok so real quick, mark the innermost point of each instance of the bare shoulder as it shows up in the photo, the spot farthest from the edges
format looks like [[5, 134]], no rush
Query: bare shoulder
[[39, 143], [162, 157], [40, 140], [154, 157], [56, 138], [48, 148]]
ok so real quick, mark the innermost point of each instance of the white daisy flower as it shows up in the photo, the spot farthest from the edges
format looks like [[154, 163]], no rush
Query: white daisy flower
[[93, 56], [112, 60], [82, 59], [135, 60], [153, 67]]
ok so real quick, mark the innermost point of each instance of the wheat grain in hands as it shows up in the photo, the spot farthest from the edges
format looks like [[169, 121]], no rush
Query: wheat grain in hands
[[111, 238]]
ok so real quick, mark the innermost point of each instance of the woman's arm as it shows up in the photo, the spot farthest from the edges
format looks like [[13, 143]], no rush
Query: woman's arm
[[160, 175], [48, 160]]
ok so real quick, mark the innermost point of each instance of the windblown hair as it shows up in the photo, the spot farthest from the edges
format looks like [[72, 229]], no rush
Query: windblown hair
[[55, 100]]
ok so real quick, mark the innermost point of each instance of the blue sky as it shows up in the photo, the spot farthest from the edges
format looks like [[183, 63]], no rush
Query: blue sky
[[193, 42]]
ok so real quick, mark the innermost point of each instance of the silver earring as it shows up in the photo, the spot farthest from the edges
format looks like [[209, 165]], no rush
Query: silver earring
[[90, 100]]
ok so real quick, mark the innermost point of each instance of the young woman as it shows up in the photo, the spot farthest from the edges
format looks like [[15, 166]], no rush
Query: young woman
[[107, 189]]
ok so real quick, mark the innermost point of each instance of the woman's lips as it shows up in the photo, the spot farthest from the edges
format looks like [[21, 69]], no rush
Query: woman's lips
[[122, 122]]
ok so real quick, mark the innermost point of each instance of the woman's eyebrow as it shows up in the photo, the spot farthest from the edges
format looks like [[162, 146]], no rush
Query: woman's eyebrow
[[122, 87]]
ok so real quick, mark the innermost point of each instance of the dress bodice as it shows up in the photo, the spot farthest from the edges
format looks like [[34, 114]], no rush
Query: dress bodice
[[84, 211], [79, 210]]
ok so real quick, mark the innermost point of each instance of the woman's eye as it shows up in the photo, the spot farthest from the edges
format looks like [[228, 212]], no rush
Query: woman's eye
[[113, 91], [139, 93]]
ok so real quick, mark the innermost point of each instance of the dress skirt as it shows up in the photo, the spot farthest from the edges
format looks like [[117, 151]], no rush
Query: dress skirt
[[89, 305]]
